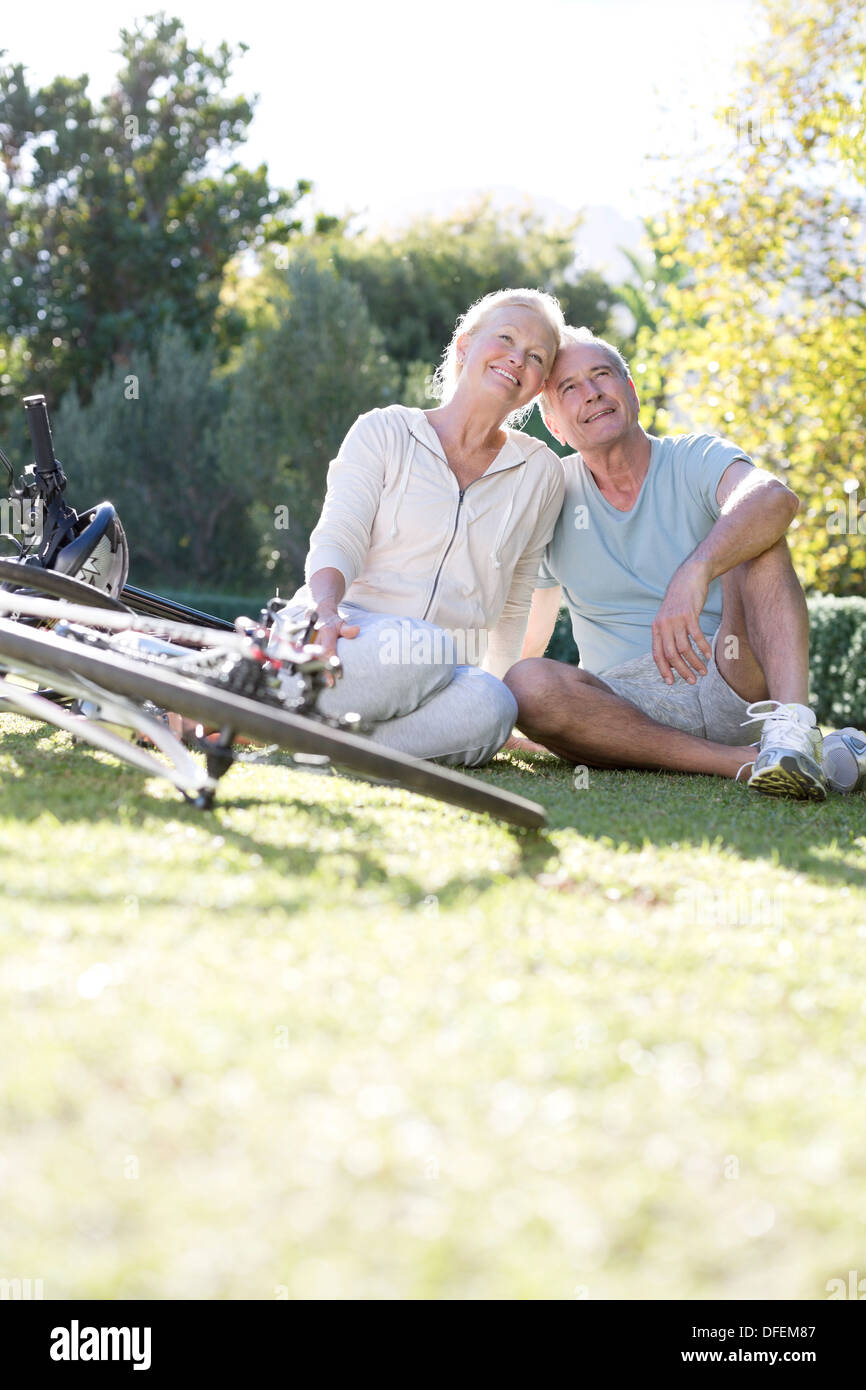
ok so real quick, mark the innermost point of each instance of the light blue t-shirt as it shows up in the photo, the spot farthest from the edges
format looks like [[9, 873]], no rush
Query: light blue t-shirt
[[614, 567]]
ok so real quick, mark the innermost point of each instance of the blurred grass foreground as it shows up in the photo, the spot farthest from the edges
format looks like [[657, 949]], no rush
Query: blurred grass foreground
[[333, 1040]]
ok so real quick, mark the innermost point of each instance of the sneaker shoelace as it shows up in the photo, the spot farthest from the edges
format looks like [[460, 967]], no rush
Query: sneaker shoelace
[[783, 727]]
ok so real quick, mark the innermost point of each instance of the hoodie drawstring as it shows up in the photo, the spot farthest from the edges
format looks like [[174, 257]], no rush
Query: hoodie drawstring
[[497, 562], [403, 485]]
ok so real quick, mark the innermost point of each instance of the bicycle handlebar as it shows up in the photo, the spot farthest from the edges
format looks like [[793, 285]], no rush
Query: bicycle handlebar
[[40, 434]]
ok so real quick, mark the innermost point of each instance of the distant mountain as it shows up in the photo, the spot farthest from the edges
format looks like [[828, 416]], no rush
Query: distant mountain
[[604, 228]]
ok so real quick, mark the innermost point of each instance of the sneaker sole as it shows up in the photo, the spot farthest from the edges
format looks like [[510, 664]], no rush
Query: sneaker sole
[[836, 778], [786, 779], [843, 767]]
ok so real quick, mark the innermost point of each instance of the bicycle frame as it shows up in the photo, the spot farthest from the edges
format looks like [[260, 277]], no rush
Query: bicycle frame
[[94, 706]]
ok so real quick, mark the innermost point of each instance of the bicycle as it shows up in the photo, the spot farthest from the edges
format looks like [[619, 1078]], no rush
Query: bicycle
[[103, 653]]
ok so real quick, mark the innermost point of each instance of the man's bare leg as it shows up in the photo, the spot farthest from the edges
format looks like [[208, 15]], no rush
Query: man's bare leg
[[578, 717], [763, 653], [765, 612]]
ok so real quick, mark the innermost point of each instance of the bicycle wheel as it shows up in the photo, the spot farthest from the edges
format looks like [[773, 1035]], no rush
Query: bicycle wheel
[[34, 579], [50, 654], [155, 606]]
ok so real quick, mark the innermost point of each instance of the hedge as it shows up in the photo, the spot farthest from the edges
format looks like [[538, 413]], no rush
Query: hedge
[[220, 605], [837, 657], [838, 660]]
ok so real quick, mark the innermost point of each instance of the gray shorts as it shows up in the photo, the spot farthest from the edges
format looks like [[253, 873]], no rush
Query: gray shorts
[[708, 709]]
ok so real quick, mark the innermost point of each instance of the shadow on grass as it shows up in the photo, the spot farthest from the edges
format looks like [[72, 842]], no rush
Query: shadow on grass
[[76, 786], [627, 809], [675, 810]]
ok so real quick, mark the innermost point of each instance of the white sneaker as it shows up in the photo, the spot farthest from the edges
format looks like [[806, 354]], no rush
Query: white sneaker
[[789, 758], [845, 760]]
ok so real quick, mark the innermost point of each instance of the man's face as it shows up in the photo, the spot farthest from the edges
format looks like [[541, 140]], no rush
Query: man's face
[[591, 404]]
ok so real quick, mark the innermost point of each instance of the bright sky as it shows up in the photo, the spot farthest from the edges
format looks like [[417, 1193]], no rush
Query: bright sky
[[392, 107]]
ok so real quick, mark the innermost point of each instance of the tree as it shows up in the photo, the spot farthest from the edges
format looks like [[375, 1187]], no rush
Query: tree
[[314, 362], [149, 441], [644, 295], [418, 281], [118, 218], [763, 334]]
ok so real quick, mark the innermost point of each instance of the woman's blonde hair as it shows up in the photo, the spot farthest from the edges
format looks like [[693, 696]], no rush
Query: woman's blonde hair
[[446, 376]]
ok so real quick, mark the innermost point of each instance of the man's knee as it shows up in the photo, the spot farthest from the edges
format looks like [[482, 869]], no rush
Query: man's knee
[[765, 568], [539, 685], [528, 680]]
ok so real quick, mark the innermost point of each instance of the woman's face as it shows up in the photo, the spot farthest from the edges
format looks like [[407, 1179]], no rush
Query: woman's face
[[509, 355]]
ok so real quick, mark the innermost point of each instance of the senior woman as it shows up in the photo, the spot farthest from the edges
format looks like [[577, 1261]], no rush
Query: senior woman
[[424, 560]]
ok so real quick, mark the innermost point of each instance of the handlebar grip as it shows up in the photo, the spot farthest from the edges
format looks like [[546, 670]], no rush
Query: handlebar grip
[[40, 434]]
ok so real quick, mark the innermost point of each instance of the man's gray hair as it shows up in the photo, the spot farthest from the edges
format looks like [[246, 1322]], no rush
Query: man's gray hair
[[569, 337]]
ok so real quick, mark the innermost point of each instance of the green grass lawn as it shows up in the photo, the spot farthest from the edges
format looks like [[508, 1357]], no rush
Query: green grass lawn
[[335, 1040]]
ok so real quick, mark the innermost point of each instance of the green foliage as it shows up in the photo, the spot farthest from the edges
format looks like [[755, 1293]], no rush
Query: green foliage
[[761, 338], [184, 504], [837, 660], [418, 281], [315, 363], [644, 295], [219, 475], [220, 604], [119, 217], [562, 646]]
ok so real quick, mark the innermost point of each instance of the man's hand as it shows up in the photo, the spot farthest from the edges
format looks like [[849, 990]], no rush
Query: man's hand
[[756, 511], [677, 625]]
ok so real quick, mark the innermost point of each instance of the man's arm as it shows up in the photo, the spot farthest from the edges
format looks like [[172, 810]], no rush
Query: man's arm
[[543, 613], [757, 510], [504, 647]]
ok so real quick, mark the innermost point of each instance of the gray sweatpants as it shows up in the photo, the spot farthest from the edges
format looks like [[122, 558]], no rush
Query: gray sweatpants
[[401, 674]]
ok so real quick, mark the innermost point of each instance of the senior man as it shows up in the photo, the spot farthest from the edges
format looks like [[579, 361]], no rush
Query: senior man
[[691, 624]]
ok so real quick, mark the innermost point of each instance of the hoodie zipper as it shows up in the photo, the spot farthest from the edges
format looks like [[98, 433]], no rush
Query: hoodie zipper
[[447, 549], [461, 495]]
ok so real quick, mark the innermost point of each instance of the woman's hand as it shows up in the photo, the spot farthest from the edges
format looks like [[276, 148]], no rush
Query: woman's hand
[[329, 627], [327, 587]]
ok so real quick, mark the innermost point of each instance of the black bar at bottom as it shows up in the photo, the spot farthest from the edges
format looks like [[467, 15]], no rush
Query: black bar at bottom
[[171, 1339]]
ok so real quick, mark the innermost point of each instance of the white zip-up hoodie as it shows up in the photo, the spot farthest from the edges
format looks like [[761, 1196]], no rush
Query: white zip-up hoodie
[[409, 542]]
